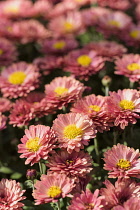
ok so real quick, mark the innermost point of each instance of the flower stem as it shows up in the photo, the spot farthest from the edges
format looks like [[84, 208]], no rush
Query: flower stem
[[97, 150], [40, 168], [131, 85], [106, 90], [115, 134], [58, 205]]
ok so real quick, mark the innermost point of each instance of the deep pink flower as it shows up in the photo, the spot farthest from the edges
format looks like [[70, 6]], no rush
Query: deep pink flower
[[125, 105], [5, 105], [74, 165], [51, 188], [19, 79], [37, 143], [10, 195], [87, 200], [73, 130], [122, 161], [115, 4], [6, 28], [95, 107], [83, 63]]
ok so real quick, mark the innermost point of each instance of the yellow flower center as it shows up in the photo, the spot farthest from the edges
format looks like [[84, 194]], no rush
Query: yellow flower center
[[84, 60], [32, 144], [69, 161], [68, 26], [59, 45], [133, 66], [124, 164], [134, 34], [60, 90], [17, 77], [95, 108], [88, 206], [54, 191], [72, 131], [11, 9], [114, 23], [1, 51], [125, 104]]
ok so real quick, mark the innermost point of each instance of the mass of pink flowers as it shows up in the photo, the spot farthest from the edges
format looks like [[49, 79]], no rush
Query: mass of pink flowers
[[70, 104]]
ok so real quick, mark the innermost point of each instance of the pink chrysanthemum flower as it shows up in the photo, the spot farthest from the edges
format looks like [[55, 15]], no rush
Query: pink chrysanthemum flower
[[125, 105], [19, 79], [73, 131], [83, 63], [129, 66], [122, 161], [114, 22], [137, 11], [69, 24], [48, 63], [29, 31], [58, 46], [74, 165], [21, 114], [3, 120], [10, 195], [5, 104], [123, 190], [79, 3], [8, 52], [108, 49], [131, 204], [115, 4], [87, 200], [95, 107], [63, 90], [15, 8], [41, 8], [37, 143], [51, 188]]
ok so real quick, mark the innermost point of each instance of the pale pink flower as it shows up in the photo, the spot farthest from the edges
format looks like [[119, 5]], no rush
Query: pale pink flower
[[41, 8], [37, 143], [51, 188], [63, 90], [5, 104], [129, 66], [125, 105], [69, 24], [8, 52], [118, 194], [130, 204], [115, 4], [83, 63], [95, 107], [110, 50], [19, 79], [74, 165], [87, 200], [73, 130], [122, 161], [3, 120], [10, 195]]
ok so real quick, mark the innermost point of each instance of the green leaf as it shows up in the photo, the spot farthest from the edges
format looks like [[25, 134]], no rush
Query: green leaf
[[16, 175], [90, 149], [6, 170], [28, 184]]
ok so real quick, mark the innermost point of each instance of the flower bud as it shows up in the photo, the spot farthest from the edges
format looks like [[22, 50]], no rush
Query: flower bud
[[106, 81], [31, 174]]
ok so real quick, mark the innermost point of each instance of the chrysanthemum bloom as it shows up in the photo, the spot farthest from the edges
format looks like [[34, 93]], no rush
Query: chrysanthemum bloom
[[8, 52], [21, 114], [123, 190], [29, 31], [3, 120], [48, 63], [6, 26], [131, 204], [5, 104], [37, 143], [74, 165], [108, 49], [58, 46], [73, 131], [19, 79], [63, 90], [51, 188], [129, 66], [10, 195], [79, 3], [125, 105], [95, 107], [83, 63], [114, 22], [115, 4], [122, 161], [69, 24], [15, 8], [87, 200]]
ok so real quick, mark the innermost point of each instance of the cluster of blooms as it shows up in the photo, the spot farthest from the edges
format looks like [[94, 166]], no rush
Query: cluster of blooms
[[56, 86]]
